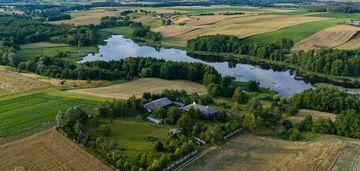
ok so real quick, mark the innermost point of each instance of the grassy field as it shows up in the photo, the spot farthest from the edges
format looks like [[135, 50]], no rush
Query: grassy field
[[12, 82], [139, 86], [331, 37], [250, 152], [106, 32], [48, 150], [315, 115], [26, 111], [42, 45], [297, 32], [131, 134], [74, 53]]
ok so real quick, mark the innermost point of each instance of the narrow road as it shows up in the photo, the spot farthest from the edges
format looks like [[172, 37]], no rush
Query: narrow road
[[188, 162]]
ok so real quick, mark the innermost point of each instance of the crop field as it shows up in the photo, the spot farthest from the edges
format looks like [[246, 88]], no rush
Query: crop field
[[27, 111], [297, 32], [87, 17], [49, 150], [244, 26], [131, 134], [250, 152], [139, 86], [314, 114], [12, 82], [328, 38], [349, 159]]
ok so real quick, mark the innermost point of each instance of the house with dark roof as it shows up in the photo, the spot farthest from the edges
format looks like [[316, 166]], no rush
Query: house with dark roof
[[205, 110], [156, 104]]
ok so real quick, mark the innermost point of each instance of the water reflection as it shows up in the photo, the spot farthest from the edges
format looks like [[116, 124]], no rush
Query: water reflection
[[280, 80]]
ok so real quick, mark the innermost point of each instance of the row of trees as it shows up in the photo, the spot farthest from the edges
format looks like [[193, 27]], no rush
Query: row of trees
[[339, 8]]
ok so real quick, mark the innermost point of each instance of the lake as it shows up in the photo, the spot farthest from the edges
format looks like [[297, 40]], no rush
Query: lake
[[117, 47]]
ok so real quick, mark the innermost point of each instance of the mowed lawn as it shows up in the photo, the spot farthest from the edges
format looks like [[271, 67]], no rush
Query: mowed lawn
[[131, 135], [297, 32], [140, 86], [27, 111]]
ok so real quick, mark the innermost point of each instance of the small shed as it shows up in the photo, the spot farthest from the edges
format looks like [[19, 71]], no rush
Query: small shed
[[199, 141], [154, 120], [175, 131]]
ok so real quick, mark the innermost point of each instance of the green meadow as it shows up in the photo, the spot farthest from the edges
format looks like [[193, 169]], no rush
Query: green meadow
[[27, 111]]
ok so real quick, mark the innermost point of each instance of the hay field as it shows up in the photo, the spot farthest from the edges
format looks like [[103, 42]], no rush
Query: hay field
[[353, 43], [12, 82], [139, 86], [250, 152], [314, 114], [87, 17], [244, 26], [328, 38], [49, 150]]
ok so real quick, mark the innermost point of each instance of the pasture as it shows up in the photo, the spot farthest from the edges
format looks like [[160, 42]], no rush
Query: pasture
[[48, 150], [250, 152], [41, 45], [27, 111], [131, 135], [139, 86], [328, 38], [12, 82]]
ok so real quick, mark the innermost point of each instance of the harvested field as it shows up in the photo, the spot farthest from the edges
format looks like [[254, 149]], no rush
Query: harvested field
[[245, 26], [353, 43], [174, 30], [203, 20], [315, 115], [249, 152], [87, 17], [49, 150], [349, 158], [139, 86], [329, 38], [12, 82]]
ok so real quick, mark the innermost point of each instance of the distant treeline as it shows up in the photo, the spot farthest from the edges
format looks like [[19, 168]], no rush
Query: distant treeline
[[326, 61], [20, 29], [49, 12], [339, 8]]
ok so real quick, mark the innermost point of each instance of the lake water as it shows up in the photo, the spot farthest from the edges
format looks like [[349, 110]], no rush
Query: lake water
[[117, 47]]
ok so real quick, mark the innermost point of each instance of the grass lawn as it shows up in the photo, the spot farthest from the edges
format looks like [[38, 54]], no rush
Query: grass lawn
[[296, 32], [132, 133], [27, 111], [74, 53]]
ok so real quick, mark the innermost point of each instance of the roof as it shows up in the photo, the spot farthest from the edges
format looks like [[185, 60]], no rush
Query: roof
[[205, 110], [175, 131], [151, 119], [179, 104], [159, 103]]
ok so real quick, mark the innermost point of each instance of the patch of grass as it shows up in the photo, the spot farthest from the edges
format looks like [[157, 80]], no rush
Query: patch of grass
[[123, 30], [131, 135], [296, 32], [74, 53], [338, 15], [24, 112]]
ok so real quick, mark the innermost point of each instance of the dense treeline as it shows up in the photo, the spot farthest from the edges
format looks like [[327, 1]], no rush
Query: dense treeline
[[329, 61], [49, 12], [339, 8], [19, 29], [233, 44], [326, 100], [326, 61]]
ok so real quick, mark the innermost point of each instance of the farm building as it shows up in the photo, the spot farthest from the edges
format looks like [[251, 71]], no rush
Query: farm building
[[205, 110], [162, 102], [175, 131], [156, 104], [355, 22]]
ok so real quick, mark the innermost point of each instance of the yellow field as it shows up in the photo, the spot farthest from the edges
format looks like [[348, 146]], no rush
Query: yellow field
[[315, 115], [49, 150], [87, 17], [332, 37], [41, 45], [241, 26], [353, 43], [12, 82], [250, 152], [139, 86]]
